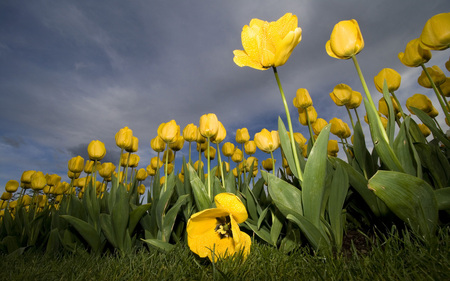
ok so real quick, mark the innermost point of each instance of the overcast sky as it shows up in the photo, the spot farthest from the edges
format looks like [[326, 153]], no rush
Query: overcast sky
[[76, 71]]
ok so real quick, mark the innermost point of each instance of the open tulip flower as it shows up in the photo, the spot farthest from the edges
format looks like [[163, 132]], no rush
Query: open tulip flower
[[215, 233], [268, 44]]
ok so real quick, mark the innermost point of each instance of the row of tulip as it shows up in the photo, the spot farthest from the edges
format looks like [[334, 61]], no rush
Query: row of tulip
[[308, 200]]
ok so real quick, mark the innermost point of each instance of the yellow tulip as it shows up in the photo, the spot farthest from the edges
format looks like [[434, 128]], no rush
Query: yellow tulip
[[424, 129], [72, 175], [298, 137], [124, 138], [267, 141], [197, 164], [345, 41], [250, 147], [302, 99], [134, 145], [212, 153], [134, 160], [6, 196], [96, 150], [332, 148], [150, 170], [201, 146], [419, 101], [436, 32], [445, 87], [414, 55], [355, 100], [218, 229], [178, 145], [141, 174], [433, 112], [237, 156], [268, 44], [392, 77], [12, 186], [141, 189], [342, 94], [158, 144], [337, 127], [169, 155], [268, 164], [26, 176], [319, 125], [383, 108], [76, 164], [169, 131], [89, 167], [221, 134], [312, 115], [38, 181], [190, 133], [228, 149], [437, 75], [53, 180], [208, 125], [106, 170], [242, 135]]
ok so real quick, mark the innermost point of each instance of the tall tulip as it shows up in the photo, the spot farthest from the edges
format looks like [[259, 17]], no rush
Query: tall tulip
[[414, 54], [436, 32], [169, 131], [96, 150], [345, 41], [124, 137], [392, 77]]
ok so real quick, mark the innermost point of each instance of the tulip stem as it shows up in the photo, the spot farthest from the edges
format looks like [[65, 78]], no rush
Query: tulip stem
[[291, 135], [398, 103], [311, 135], [350, 115], [441, 102], [273, 163], [369, 98], [442, 95], [220, 166], [357, 116], [209, 169], [165, 169]]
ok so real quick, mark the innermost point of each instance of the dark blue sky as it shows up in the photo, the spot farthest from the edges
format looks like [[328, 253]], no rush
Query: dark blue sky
[[75, 71]]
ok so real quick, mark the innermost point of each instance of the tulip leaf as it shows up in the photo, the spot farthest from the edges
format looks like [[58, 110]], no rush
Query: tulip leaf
[[161, 245], [403, 150], [380, 139], [136, 215], [338, 193], [362, 155], [287, 148], [87, 231], [107, 228], [262, 232], [312, 233], [436, 163], [230, 183], [428, 121], [120, 216], [286, 197], [390, 128], [163, 203], [313, 186], [443, 198], [277, 225], [262, 217], [201, 197], [410, 198], [171, 215]]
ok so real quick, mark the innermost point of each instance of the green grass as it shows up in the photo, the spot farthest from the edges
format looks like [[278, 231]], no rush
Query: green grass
[[389, 257]]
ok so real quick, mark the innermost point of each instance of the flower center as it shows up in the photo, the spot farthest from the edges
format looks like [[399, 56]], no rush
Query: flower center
[[223, 227]]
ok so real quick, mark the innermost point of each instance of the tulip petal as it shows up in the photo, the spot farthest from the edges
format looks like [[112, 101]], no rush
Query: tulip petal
[[242, 59], [231, 204]]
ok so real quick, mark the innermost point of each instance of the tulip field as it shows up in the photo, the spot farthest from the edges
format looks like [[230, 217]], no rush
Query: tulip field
[[219, 221]]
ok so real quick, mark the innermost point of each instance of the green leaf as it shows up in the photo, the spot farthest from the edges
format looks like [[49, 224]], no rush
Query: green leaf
[[107, 228], [286, 197], [120, 216], [287, 148], [428, 121], [136, 215], [313, 185], [201, 197], [170, 217], [410, 198], [87, 231], [262, 233], [443, 198], [390, 128], [312, 233], [362, 155], [277, 225], [166, 247], [403, 150], [163, 203]]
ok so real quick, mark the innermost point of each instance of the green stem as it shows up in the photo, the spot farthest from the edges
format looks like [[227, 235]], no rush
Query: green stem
[[311, 135], [350, 115], [243, 160], [209, 169], [190, 160], [220, 165], [444, 107], [118, 169], [273, 163], [357, 116], [291, 135], [165, 169], [398, 103], [443, 97]]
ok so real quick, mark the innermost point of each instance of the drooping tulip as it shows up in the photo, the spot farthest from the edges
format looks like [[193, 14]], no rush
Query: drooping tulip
[[268, 44], [437, 75], [414, 54], [302, 99], [355, 100], [419, 101], [345, 41], [341, 94]]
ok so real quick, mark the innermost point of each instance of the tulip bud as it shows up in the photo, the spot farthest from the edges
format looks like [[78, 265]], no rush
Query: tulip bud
[[250, 147], [169, 131], [178, 144], [157, 144], [319, 125], [302, 99], [433, 113], [355, 100], [38, 181], [337, 127], [345, 41], [12, 186], [134, 145], [106, 170], [424, 129], [169, 155], [437, 75], [96, 150], [419, 101], [242, 135], [134, 160], [298, 138], [202, 146], [89, 167], [237, 156], [53, 180], [445, 87], [6, 196], [196, 165], [208, 125], [26, 176], [332, 148], [124, 138], [414, 54], [141, 189], [392, 78], [267, 141], [435, 34], [341, 94], [383, 108], [190, 133], [228, 149], [312, 115], [141, 174], [150, 170], [76, 164], [268, 164], [221, 134], [212, 153]]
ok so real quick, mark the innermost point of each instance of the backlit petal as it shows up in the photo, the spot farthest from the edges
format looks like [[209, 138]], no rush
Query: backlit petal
[[231, 204]]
